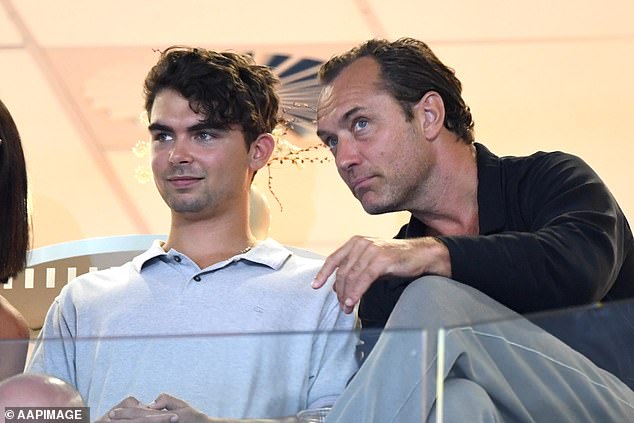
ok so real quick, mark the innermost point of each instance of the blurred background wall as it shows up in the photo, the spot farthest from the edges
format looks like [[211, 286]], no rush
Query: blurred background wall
[[538, 75]]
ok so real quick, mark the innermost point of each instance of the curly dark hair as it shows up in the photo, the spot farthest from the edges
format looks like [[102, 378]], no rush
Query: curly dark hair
[[228, 88], [409, 69], [14, 219]]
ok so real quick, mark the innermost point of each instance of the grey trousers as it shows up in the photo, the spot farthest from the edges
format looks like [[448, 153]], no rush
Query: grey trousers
[[498, 367]]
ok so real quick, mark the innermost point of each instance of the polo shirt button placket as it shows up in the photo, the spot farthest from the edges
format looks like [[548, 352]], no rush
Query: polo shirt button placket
[[177, 259]]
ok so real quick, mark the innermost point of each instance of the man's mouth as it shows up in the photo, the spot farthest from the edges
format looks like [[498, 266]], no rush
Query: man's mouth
[[360, 183], [183, 181]]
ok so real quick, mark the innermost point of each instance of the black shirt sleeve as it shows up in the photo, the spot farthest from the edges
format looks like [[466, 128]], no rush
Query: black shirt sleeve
[[563, 243]]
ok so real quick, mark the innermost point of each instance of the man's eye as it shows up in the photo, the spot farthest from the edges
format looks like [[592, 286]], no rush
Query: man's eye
[[161, 137], [360, 124], [205, 136], [331, 142]]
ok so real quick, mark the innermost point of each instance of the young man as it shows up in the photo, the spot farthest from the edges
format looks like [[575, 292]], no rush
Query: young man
[[498, 234], [122, 332]]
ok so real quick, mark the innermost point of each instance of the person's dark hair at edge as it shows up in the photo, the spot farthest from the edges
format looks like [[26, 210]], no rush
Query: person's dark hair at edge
[[228, 88], [409, 69], [14, 220]]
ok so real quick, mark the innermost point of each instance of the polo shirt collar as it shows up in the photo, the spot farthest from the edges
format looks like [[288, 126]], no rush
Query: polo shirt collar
[[267, 252]]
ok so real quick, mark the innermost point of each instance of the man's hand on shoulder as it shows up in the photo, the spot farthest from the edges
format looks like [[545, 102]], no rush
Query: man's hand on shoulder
[[363, 260]]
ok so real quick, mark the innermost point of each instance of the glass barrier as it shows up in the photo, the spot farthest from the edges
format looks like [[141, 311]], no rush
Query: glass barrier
[[252, 375], [514, 369], [571, 365]]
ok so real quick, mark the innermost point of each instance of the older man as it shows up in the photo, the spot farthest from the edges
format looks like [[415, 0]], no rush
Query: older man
[[488, 237]]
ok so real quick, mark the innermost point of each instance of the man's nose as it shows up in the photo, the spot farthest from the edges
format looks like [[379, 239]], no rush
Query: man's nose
[[347, 153], [180, 152]]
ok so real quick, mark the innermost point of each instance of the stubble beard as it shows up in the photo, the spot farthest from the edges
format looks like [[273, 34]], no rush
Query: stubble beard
[[382, 204], [391, 198], [187, 205]]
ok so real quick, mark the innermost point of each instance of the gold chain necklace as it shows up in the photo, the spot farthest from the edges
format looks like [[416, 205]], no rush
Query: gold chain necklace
[[246, 250]]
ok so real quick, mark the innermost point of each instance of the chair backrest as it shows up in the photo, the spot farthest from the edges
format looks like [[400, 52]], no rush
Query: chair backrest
[[50, 268]]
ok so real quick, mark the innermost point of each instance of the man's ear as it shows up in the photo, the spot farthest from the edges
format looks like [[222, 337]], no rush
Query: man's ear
[[260, 151], [431, 112]]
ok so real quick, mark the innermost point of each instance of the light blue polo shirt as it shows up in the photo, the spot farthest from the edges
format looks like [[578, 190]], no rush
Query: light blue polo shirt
[[245, 337]]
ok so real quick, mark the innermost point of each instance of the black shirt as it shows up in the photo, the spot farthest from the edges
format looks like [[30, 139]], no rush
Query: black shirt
[[551, 236]]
